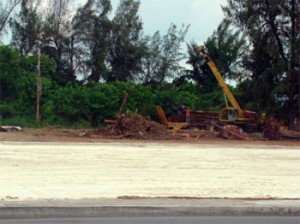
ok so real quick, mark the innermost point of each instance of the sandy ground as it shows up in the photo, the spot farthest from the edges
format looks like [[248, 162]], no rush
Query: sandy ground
[[35, 170], [76, 135]]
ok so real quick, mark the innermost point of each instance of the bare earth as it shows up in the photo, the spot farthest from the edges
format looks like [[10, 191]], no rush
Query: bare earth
[[102, 168]]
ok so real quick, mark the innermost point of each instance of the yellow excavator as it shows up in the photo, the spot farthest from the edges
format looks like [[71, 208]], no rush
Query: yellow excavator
[[231, 113]]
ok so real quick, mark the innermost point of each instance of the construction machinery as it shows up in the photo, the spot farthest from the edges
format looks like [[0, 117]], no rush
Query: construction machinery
[[231, 114], [174, 126]]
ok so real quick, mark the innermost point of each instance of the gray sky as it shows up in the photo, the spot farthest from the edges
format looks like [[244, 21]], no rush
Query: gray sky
[[203, 16]]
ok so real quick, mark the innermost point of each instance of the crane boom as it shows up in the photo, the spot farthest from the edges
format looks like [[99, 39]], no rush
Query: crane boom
[[221, 81]]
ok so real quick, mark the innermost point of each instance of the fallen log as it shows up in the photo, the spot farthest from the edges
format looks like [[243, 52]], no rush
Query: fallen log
[[199, 133], [110, 121], [10, 128], [289, 133]]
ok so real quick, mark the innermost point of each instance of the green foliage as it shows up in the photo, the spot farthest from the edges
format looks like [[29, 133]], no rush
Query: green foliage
[[162, 61], [10, 72], [271, 28], [81, 105], [140, 97], [170, 97], [226, 48], [26, 28], [104, 102], [93, 31], [47, 66], [95, 46], [128, 46], [18, 83], [213, 101], [95, 102], [6, 111], [6, 10], [21, 121], [67, 105]]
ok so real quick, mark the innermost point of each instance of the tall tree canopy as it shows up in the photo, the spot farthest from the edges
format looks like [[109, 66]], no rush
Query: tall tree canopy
[[26, 28], [6, 11], [273, 29], [164, 55], [93, 27], [227, 48], [128, 45], [90, 44]]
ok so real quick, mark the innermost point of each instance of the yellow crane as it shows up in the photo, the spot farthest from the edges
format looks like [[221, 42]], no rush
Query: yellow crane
[[233, 113]]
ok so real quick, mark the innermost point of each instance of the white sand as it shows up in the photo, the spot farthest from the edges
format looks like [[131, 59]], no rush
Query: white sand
[[75, 171]]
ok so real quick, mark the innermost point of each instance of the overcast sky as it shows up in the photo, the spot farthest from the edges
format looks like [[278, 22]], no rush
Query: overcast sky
[[203, 16]]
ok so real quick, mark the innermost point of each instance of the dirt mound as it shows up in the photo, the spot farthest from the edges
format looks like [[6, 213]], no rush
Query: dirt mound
[[135, 126]]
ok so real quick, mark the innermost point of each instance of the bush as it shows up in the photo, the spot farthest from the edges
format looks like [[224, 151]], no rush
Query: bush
[[86, 104], [21, 121], [6, 111]]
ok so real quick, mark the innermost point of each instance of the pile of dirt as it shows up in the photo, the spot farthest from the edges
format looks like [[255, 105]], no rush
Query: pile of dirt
[[135, 126]]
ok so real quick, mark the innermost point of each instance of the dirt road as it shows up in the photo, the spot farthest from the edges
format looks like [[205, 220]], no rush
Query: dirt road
[[110, 170]]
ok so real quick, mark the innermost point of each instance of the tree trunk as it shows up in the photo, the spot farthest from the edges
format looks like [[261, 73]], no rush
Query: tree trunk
[[293, 75]]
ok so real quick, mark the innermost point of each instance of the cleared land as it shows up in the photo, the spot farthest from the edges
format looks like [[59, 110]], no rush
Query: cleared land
[[107, 169]]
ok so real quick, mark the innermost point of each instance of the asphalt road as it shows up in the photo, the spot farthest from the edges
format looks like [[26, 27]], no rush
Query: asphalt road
[[164, 220]]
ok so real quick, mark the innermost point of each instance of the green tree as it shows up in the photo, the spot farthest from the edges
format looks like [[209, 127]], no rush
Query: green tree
[[151, 62], [59, 40], [227, 48], [94, 30], [10, 73], [52, 31], [128, 45], [164, 55], [273, 30], [18, 83], [26, 29], [6, 11]]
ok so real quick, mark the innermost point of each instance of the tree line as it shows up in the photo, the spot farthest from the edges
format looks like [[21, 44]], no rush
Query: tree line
[[87, 53], [91, 44]]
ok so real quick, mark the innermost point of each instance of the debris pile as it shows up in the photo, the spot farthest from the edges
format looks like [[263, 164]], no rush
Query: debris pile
[[232, 132], [271, 128], [202, 118], [198, 133], [134, 126]]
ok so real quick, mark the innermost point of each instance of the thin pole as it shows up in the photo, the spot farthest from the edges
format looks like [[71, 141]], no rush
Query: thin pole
[[38, 89]]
